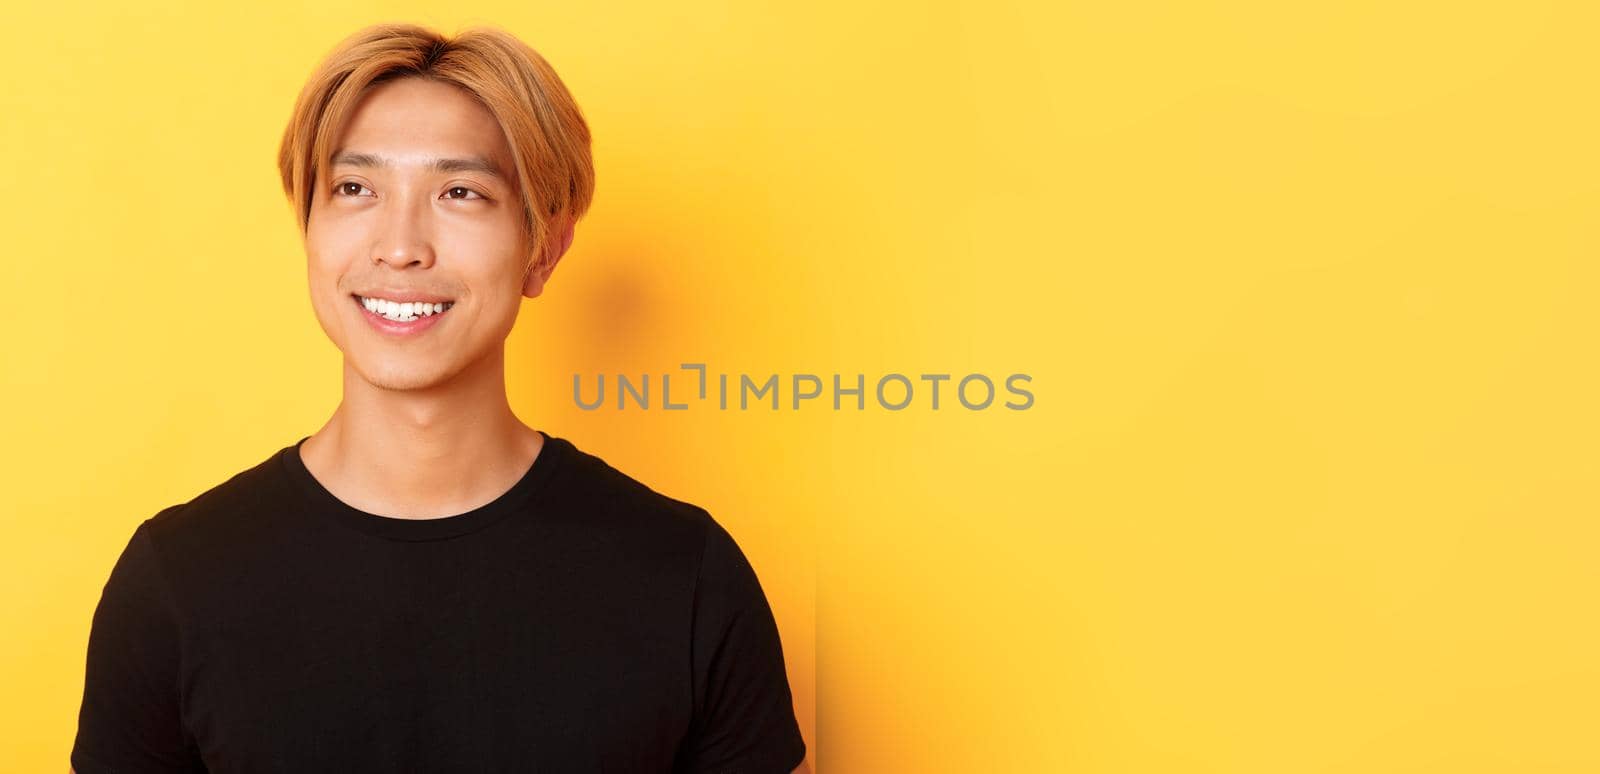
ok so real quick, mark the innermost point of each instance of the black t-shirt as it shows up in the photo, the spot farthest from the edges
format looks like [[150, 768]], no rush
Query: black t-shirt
[[581, 622]]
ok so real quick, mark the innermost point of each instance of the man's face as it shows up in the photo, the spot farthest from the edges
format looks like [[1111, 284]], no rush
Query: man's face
[[390, 224]]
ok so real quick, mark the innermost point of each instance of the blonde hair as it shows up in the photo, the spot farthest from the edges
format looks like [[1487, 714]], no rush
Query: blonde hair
[[548, 136]]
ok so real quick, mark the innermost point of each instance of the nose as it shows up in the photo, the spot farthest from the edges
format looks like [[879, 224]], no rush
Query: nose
[[405, 233]]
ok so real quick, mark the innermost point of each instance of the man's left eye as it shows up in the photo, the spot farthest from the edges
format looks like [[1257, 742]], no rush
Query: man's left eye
[[463, 190]]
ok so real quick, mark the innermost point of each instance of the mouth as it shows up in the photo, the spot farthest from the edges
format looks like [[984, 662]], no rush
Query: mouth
[[403, 313]]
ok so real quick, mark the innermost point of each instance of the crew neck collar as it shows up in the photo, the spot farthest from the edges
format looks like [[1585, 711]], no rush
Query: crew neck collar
[[551, 453]]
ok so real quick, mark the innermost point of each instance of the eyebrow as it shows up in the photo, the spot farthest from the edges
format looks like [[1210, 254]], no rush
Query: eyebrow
[[468, 164]]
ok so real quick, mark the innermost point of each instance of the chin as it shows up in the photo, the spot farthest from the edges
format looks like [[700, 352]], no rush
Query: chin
[[398, 377]]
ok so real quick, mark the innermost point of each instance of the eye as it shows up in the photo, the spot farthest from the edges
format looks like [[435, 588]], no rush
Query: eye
[[344, 189], [464, 190]]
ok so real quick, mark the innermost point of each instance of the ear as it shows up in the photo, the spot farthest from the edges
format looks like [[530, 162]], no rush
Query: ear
[[539, 273]]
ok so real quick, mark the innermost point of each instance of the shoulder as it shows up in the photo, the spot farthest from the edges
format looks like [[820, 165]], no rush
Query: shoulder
[[623, 500], [149, 576], [233, 510], [614, 508]]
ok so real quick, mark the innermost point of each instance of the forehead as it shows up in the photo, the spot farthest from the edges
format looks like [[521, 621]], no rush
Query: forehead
[[413, 121]]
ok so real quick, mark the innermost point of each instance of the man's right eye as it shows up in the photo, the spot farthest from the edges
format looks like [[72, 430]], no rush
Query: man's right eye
[[349, 189]]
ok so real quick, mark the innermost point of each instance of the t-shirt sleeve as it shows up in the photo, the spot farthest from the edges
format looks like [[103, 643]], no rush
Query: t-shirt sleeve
[[129, 720], [744, 712]]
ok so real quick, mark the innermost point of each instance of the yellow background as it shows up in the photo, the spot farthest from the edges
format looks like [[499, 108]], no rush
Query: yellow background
[[1307, 295]]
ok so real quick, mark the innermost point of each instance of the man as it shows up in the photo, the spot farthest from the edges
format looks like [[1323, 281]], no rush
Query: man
[[426, 583]]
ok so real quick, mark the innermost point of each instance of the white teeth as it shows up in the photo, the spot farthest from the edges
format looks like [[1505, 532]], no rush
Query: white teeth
[[406, 312]]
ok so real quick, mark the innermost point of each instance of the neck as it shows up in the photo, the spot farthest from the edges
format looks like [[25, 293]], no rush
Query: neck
[[423, 453]]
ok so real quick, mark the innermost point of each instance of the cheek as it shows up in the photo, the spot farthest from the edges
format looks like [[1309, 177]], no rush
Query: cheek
[[328, 251], [322, 275], [488, 239], [484, 258]]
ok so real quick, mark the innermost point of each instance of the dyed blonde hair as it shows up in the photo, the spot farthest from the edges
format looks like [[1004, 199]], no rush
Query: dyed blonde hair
[[548, 136]]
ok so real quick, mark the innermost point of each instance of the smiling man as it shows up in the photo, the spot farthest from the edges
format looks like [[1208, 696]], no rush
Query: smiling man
[[426, 583]]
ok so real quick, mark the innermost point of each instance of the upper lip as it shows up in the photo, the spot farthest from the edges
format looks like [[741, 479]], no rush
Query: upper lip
[[404, 296]]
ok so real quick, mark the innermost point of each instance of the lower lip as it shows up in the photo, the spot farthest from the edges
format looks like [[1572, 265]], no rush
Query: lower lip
[[390, 327]]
